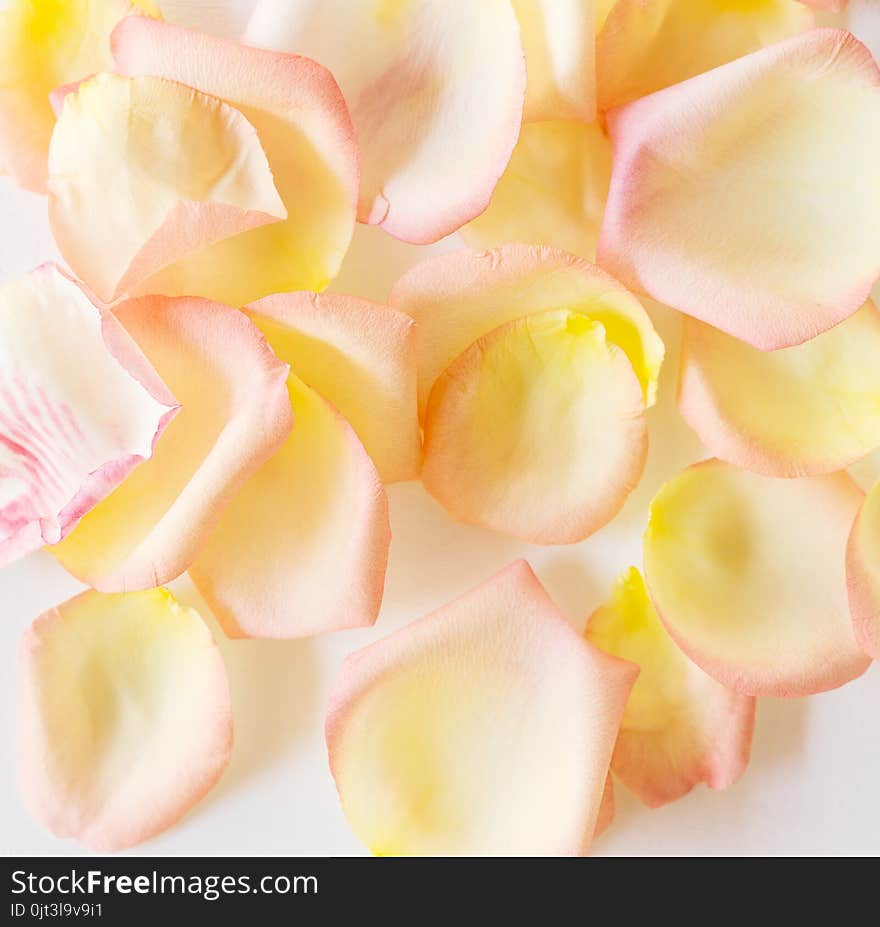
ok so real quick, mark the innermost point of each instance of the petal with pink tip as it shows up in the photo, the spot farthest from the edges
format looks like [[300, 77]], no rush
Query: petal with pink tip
[[537, 430], [645, 47], [45, 44], [80, 408], [485, 728], [558, 38], [748, 575], [435, 91], [143, 170], [235, 414], [126, 721], [304, 128], [302, 549], [813, 408], [680, 727], [457, 298], [749, 197], [863, 574], [553, 191], [359, 356]]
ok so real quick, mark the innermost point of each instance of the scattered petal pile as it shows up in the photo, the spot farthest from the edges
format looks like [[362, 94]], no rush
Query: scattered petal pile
[[183, 398]]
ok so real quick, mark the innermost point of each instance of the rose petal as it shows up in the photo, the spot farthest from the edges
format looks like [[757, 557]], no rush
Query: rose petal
[[436, 94], [553, 191], [835, 6], [747, 574], [813, 408], [219, 17], [142, 170], [680, 726], [302, 549], [457, 298], [644, 47], [304, 128], [362, 358], [80, 408], [484, 729], [125, 716], [559, 43], [537, 430], [45, 44], [235, 415], [863, 574], [605, 817], [724, 202]]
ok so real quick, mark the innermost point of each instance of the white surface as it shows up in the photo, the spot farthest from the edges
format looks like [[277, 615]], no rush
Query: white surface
[[812, 784]]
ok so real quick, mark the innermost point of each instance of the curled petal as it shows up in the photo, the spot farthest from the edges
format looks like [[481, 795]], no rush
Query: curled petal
[[125, 716], [553, 191], [436, 94], [559, 41], [235, 414], [747, 573], [457, 298], [680, 727], [537, 430], [45, 44], [362, 358], [863, 574], [303, 547], [304, 128], [486, 728], [142, 170], [80, 408], [645, 47], [707, 210], [813, 408]]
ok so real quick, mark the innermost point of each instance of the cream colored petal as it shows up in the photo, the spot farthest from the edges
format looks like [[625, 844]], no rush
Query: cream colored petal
[[484, 729], [302, 549], [235, 414], [680, 727], [143, 170], [362, 358], [645, 47], [457, 298], [799, 411], [304, 128], [435, 91], [537, 430], [125, 717], [748, 575], [749, 197], [553, 191], [80, 408]]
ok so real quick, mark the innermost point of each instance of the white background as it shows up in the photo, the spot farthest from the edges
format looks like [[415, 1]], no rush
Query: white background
[[812, 785]]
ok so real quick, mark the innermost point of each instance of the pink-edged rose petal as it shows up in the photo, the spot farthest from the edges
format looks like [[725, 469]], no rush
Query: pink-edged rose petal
[[749, 196], [435, 91], [680, 727], [126, 720], [80, 408], [485, 728], [748, 574], [863, 573], [235, 414]]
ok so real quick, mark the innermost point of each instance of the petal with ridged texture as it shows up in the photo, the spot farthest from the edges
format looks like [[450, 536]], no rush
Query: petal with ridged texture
[[680, 727], [749, 196], [235, 414], [80, 408], [126, 721], [748, 575], [436, 94], [485, 728]]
